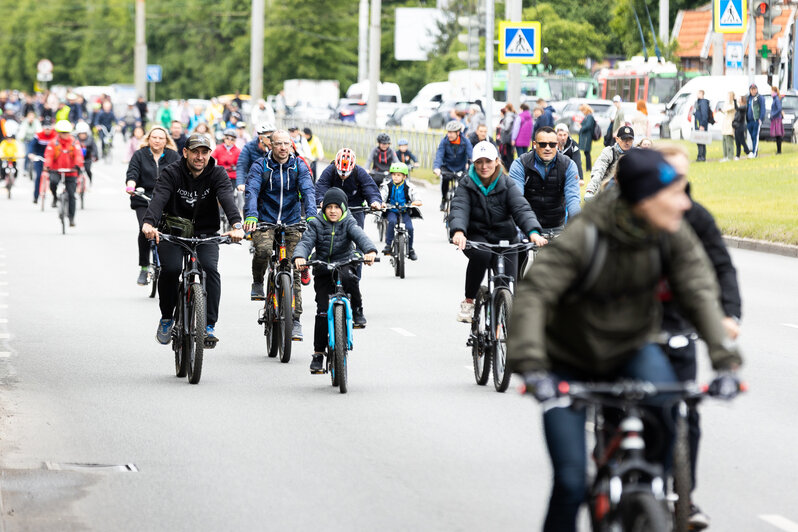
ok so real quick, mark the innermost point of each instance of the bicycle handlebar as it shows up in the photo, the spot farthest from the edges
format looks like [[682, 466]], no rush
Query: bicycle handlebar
[[140, 193], [501, 248], [219, 239], [339, 264], [263, 226]]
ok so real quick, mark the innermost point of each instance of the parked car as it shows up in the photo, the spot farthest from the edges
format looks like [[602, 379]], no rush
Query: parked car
[[571, 116], [347, 109], [442, 114], [395, 119]]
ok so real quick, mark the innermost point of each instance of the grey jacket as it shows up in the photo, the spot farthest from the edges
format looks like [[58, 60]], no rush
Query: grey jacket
[[333, 241], [602, 168]]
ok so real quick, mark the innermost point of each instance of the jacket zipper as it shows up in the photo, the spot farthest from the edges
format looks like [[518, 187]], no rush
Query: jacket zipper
[[332, 239], [280, 210]]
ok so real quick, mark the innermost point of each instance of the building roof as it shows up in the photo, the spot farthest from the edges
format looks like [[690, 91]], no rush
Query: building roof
[[693, 31]]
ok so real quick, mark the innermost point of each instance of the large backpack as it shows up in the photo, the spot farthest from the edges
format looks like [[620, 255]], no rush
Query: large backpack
[[609, 139], [596, 130]]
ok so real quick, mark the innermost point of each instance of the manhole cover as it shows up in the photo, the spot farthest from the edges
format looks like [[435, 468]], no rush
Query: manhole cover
[[96, 468]]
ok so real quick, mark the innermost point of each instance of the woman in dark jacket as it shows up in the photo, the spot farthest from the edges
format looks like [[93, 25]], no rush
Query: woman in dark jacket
[[586, 134], [739, 125], [157, 151], [487, 207]]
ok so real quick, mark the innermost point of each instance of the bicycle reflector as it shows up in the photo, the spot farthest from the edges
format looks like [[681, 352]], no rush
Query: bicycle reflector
[[563, 387]]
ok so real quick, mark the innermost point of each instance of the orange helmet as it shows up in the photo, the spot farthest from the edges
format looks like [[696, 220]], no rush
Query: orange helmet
[[345, 161]]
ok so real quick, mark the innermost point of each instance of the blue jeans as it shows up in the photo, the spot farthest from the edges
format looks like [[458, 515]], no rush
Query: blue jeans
[[392, 218], [565, 439], [38, 166], [753, 130]]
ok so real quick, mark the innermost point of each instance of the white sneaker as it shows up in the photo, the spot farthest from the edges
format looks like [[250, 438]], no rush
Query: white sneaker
[[736, 158], [724, 160], [466, 312], [751, 155]]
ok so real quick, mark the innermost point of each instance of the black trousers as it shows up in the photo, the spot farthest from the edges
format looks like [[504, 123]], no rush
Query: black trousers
[[325, 286], [739, 139], [171, 256], [588, 160], [143, 243], [684, 365], [478, 264], [702, 152]]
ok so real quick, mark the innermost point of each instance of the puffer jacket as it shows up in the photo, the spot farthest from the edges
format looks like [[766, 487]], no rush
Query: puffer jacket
[[145, 171], [250, 153], [273, 191], [619, 312], [492, 216], [333, 241]]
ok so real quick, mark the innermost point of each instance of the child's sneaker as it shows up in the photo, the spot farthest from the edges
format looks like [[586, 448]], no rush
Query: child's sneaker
[[317, 364], [466, 311], [386, 250], [412, 255]]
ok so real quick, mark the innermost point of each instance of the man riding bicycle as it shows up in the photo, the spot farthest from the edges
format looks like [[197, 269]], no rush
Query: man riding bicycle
[[274, 188], [549, 181], [603, 274], [359, 187], [190, 188], [488, 208], [251, 152], [381, 158], [453, 155], [61, 153]]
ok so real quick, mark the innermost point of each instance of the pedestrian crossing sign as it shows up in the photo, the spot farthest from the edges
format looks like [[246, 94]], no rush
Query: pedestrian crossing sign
[[729, 16], [519, 42]]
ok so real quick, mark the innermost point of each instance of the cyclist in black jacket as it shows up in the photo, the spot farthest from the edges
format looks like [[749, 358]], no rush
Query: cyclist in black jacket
[[190, 188]]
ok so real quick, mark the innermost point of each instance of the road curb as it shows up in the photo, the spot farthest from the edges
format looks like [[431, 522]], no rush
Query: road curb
[[763, 246]]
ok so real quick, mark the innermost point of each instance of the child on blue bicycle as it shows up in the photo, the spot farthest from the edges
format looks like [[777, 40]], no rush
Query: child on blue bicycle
[[399, 190], [335, 235]]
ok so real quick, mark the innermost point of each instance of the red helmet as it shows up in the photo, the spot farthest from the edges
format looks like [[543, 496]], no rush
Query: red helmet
[[345, 161]]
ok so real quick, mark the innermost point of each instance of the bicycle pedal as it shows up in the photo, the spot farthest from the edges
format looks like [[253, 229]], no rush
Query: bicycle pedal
[[318, 371], [210, 343]]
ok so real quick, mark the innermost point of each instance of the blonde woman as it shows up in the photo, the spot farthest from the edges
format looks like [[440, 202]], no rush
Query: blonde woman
[[727, 128], [157, 150]]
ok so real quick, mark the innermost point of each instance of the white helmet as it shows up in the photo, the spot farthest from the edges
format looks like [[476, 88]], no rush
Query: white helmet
[[262, 129], [11, 128], [82, 127], [63, 126]]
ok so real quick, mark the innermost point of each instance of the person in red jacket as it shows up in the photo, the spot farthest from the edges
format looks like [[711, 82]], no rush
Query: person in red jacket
[[226, 154], [64, 152]]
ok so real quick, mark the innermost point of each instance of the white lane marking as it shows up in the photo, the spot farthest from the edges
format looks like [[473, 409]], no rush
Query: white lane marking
[[782, 523], [4, 336], [3, 294], [3, 305], [401, 331], [3, 320], [5, 354], [790, 325], [3, 283]]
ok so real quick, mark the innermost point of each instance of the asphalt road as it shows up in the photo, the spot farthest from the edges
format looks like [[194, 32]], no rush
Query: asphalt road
[[414, 445]]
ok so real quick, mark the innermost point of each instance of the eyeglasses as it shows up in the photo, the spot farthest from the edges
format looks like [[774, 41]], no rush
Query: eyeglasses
[[281, 143], [545, 144]]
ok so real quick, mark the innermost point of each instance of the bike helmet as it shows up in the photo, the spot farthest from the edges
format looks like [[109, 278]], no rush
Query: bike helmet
[[454, 125], [383, 138], [345, 161], [82, 127], [63, 126], [264, 128], [11, 128], [402, 142], [398, 168]]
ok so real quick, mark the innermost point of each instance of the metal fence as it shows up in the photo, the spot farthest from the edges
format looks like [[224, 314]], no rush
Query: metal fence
[[335, 135]]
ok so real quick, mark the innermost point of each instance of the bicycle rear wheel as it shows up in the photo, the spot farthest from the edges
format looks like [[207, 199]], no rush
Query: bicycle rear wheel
[[479, 333], [501, 319], [42, 192], [340, 347], [62, 208], [196, 332], [285, 314], [682, 479], [641, 512]]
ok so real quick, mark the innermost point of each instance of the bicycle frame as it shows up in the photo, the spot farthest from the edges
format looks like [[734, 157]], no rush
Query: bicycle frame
[[339, 298]]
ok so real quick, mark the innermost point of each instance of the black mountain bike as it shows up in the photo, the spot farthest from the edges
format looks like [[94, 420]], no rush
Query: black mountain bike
[[454, 179], [490, 322], [154, 272], [339, 324], [629, 492], [188, 333], [277, 314]]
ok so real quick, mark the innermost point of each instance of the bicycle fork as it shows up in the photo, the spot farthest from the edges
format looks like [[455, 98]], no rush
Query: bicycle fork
[[337, 300]]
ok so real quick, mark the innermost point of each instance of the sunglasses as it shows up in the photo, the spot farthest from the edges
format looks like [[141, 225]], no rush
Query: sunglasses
[[545, 144]]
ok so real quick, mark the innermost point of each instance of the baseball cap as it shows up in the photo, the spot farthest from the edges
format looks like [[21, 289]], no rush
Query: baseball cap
[[198, 140], [485, 150], [625, 132], [616, 98]]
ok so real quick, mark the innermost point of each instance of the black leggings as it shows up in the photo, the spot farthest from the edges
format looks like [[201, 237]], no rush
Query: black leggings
[[478, 262], [778, 143], [739, 140], [588, 160], [144, 244], [171, 256]]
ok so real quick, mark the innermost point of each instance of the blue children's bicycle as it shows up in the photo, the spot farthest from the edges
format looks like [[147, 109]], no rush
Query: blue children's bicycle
[[339, 323]]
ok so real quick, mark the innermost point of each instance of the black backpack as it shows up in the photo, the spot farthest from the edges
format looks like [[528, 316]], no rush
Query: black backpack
[[609, 140], [596, 131]]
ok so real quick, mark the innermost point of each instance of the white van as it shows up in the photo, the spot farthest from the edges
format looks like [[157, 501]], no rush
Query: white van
[[388, 92], [716, 90]]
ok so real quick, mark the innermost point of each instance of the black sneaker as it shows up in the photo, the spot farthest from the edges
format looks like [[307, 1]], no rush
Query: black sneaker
[[386, 250], [143, 278], [358, 318], [317, 364], [443, 205], [698, 520], [256, 294], [412, 255]]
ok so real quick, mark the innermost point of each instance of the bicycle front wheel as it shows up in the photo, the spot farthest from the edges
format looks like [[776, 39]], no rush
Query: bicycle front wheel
[[641, 512], [156, 274], [381, 228], [179, 341], [479, 333], [196, 332], [62, 211], [401, 249], [682, 480], [501, 318], [340, 348], [285, 314]]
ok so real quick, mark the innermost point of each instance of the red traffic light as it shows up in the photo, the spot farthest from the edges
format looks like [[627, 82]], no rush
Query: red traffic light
[[762, 8]]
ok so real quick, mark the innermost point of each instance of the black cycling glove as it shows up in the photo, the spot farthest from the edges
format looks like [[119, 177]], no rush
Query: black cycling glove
[[541, 385]]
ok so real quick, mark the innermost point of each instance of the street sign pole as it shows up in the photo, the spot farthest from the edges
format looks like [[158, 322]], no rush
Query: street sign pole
[[489, 47]]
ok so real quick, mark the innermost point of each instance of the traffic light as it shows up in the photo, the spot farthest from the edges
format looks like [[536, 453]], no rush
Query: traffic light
[[770, 10]]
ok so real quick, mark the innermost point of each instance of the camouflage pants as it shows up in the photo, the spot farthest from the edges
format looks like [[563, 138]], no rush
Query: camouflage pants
[[264, 244]]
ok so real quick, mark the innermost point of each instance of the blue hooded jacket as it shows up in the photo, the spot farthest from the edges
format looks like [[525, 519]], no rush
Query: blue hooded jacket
[[359, 186], [250, 153], [272, 192], [455, 157]]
